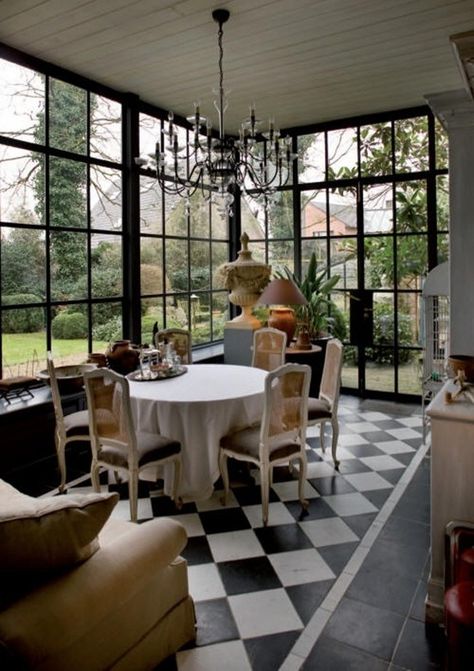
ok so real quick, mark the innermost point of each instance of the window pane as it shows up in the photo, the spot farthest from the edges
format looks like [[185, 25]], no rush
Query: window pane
[[441, 146], [411, 207], [200, 318], [412, 260], [411, 144], [23, 265], [152, 312], [106, 325], [21, 186], [319, 247], [376, 149], [199, 216], [106, 128], [151, 266], [177, 274], [67, 116], [106, 261], [253, 218], [380, 373], [67, 193], [21, 102], [342, 212], [378, 208], [69, 329], [280, 215], [410, 371], [281, 254], [176, 219], [177, 310], [409, 319], [342, 153], [106, 198], [313, 213], [149, 133], [311, 158], [442, 202], [220, 228], [200, 265], [220, 255], [220, 314], [350, 370], [344, 262], [443, 248], [151, 206], [340, 315], [23, 340], [378, 263], [68, 265]]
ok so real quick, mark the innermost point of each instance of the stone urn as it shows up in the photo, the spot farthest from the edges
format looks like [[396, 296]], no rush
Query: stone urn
[[246, 279], [122, 357]]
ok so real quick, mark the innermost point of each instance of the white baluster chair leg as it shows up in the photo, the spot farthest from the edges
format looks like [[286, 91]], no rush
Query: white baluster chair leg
[[335, 437], [61, 454], [133, 495], [95, 476], [321, 436], [265, 492]]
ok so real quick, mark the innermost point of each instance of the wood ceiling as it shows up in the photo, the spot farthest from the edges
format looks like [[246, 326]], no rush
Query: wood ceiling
[[301, 61]]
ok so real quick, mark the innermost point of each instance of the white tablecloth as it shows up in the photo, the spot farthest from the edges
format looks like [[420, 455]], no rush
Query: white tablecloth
[[198, 408]]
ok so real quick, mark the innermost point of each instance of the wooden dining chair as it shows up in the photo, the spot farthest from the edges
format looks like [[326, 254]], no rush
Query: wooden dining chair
[[268, 348], [181, 340], [116, 444], [280, 438], [324, 408], [70, 428]]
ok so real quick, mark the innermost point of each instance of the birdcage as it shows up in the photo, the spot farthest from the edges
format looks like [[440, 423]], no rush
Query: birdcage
[[435, 334]]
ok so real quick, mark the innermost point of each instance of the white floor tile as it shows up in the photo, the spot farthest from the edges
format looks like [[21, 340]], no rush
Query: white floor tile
[[328, 531], [374, 416], [404, 434], [191, 522], [381, 463], [362, 427], [300, 566], [416, 420], [350, 504], [205, 582], [394, 447], [215, 501], [122, 510], [278, 513], [346, 439], [321, 469], [230, 656], [261, 613], [341, 454], [234, 545], [365, 482], [288, 491]]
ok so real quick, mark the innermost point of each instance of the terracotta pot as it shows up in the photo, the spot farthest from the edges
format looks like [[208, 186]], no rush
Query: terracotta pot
[[97, 358], [121, 357], [284, 320]]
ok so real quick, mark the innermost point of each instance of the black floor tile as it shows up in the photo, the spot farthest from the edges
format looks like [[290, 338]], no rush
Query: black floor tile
[[250, 496], [417, 610], [365, 450], [404, 457], [168, 664], [392, 475], [316, 510], [406, 532], [337, 556], [333, 484], [378, 496], [330, 655], [215, 622], [359, 523], [267, 653], [377, 436], [307, 597], [282, 538], [348, 466], [412, 508], [384, 589], [386, 424], [197, 551], [421, 647], [397, 558], [248, 575], [227, 519]]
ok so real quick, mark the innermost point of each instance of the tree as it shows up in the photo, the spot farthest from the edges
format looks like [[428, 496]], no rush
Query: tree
[[19, 277]]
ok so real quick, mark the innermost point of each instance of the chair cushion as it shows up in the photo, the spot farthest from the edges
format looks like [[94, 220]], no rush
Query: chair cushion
[[49, 533], [318, 408], [246, 442], [77, 423], [151, 447]]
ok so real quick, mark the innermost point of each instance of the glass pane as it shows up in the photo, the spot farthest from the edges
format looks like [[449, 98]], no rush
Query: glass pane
[[311, 158], [220, 255], [106, 261], [152, 312], [23, 341], [200, 318], [182, 147], [177, 273], [106, 198], [219, 222], [106, 325], [67, 193], [350, 370], [313, 213], [378, 262], [220, 314], [412, 260], [151, 207], [176, 218], [342, 153], [384, 325], [441, 146], [281, 254], [200, 265], [199, 216], [258, 251], [21, 102], [342, 212], [442, 202], [149, 133], [23, 265], [411, 144], [106, 128], [376, 149], [319, 247], [380, 373], [443, 248], [69, 329], [177, 310], [21, 186], [340, 315], [67, 116], [410, 371], [253, 218], [151, 266], [344, 262], [411, 207], [280, 215], [378, 208], [68, 259], [409, 319]]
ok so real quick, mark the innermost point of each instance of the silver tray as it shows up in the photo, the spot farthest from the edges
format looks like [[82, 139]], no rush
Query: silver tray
[[136, 375]]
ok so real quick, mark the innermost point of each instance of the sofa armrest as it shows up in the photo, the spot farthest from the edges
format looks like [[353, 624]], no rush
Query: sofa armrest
[[66, 608]]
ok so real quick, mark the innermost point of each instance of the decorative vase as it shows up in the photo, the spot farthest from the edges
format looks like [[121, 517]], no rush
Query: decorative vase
[[283, 319], [121, 357]]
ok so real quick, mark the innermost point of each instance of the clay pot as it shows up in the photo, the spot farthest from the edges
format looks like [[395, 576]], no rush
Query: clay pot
[[462, 362], [121, 357], [284, 320], [97, 358]]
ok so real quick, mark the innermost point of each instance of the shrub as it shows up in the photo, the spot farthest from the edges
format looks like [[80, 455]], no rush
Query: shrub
[[69, 326], [384, 329], [108, 331], [28, 320]]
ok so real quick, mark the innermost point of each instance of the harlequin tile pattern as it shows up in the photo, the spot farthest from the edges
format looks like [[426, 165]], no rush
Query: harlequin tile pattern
[[338, 586]]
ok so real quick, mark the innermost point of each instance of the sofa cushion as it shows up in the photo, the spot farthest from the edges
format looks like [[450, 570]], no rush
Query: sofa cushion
[[49, 533]]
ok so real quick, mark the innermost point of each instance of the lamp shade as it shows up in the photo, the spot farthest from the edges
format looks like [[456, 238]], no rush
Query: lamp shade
[[282, 292]]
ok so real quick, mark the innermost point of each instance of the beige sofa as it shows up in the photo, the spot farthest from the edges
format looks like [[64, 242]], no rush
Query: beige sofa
[[126, 607]]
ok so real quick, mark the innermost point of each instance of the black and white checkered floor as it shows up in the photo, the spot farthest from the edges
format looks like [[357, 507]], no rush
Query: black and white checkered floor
[[264, 595]]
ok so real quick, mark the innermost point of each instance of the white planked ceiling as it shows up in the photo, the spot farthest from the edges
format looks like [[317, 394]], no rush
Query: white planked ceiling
[[301, 61]]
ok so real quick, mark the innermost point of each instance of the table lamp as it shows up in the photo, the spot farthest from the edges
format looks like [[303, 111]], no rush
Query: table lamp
[[280, 294]]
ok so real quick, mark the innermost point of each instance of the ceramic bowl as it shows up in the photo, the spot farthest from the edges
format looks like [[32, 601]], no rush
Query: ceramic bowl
[[70, 378]]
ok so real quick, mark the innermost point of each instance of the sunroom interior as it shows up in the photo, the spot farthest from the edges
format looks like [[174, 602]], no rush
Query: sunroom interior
[[376, 100]]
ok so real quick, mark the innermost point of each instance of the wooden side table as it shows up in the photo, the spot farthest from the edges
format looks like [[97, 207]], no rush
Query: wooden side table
[[313, 358]]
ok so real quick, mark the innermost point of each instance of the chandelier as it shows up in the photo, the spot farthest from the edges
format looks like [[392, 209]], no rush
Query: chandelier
[[216, 163]]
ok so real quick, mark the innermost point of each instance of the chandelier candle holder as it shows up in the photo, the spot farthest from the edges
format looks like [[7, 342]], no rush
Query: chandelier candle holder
[[217, 164]]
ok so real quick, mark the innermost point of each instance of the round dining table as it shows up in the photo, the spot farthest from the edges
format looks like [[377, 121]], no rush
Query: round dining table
[[198, 408]]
